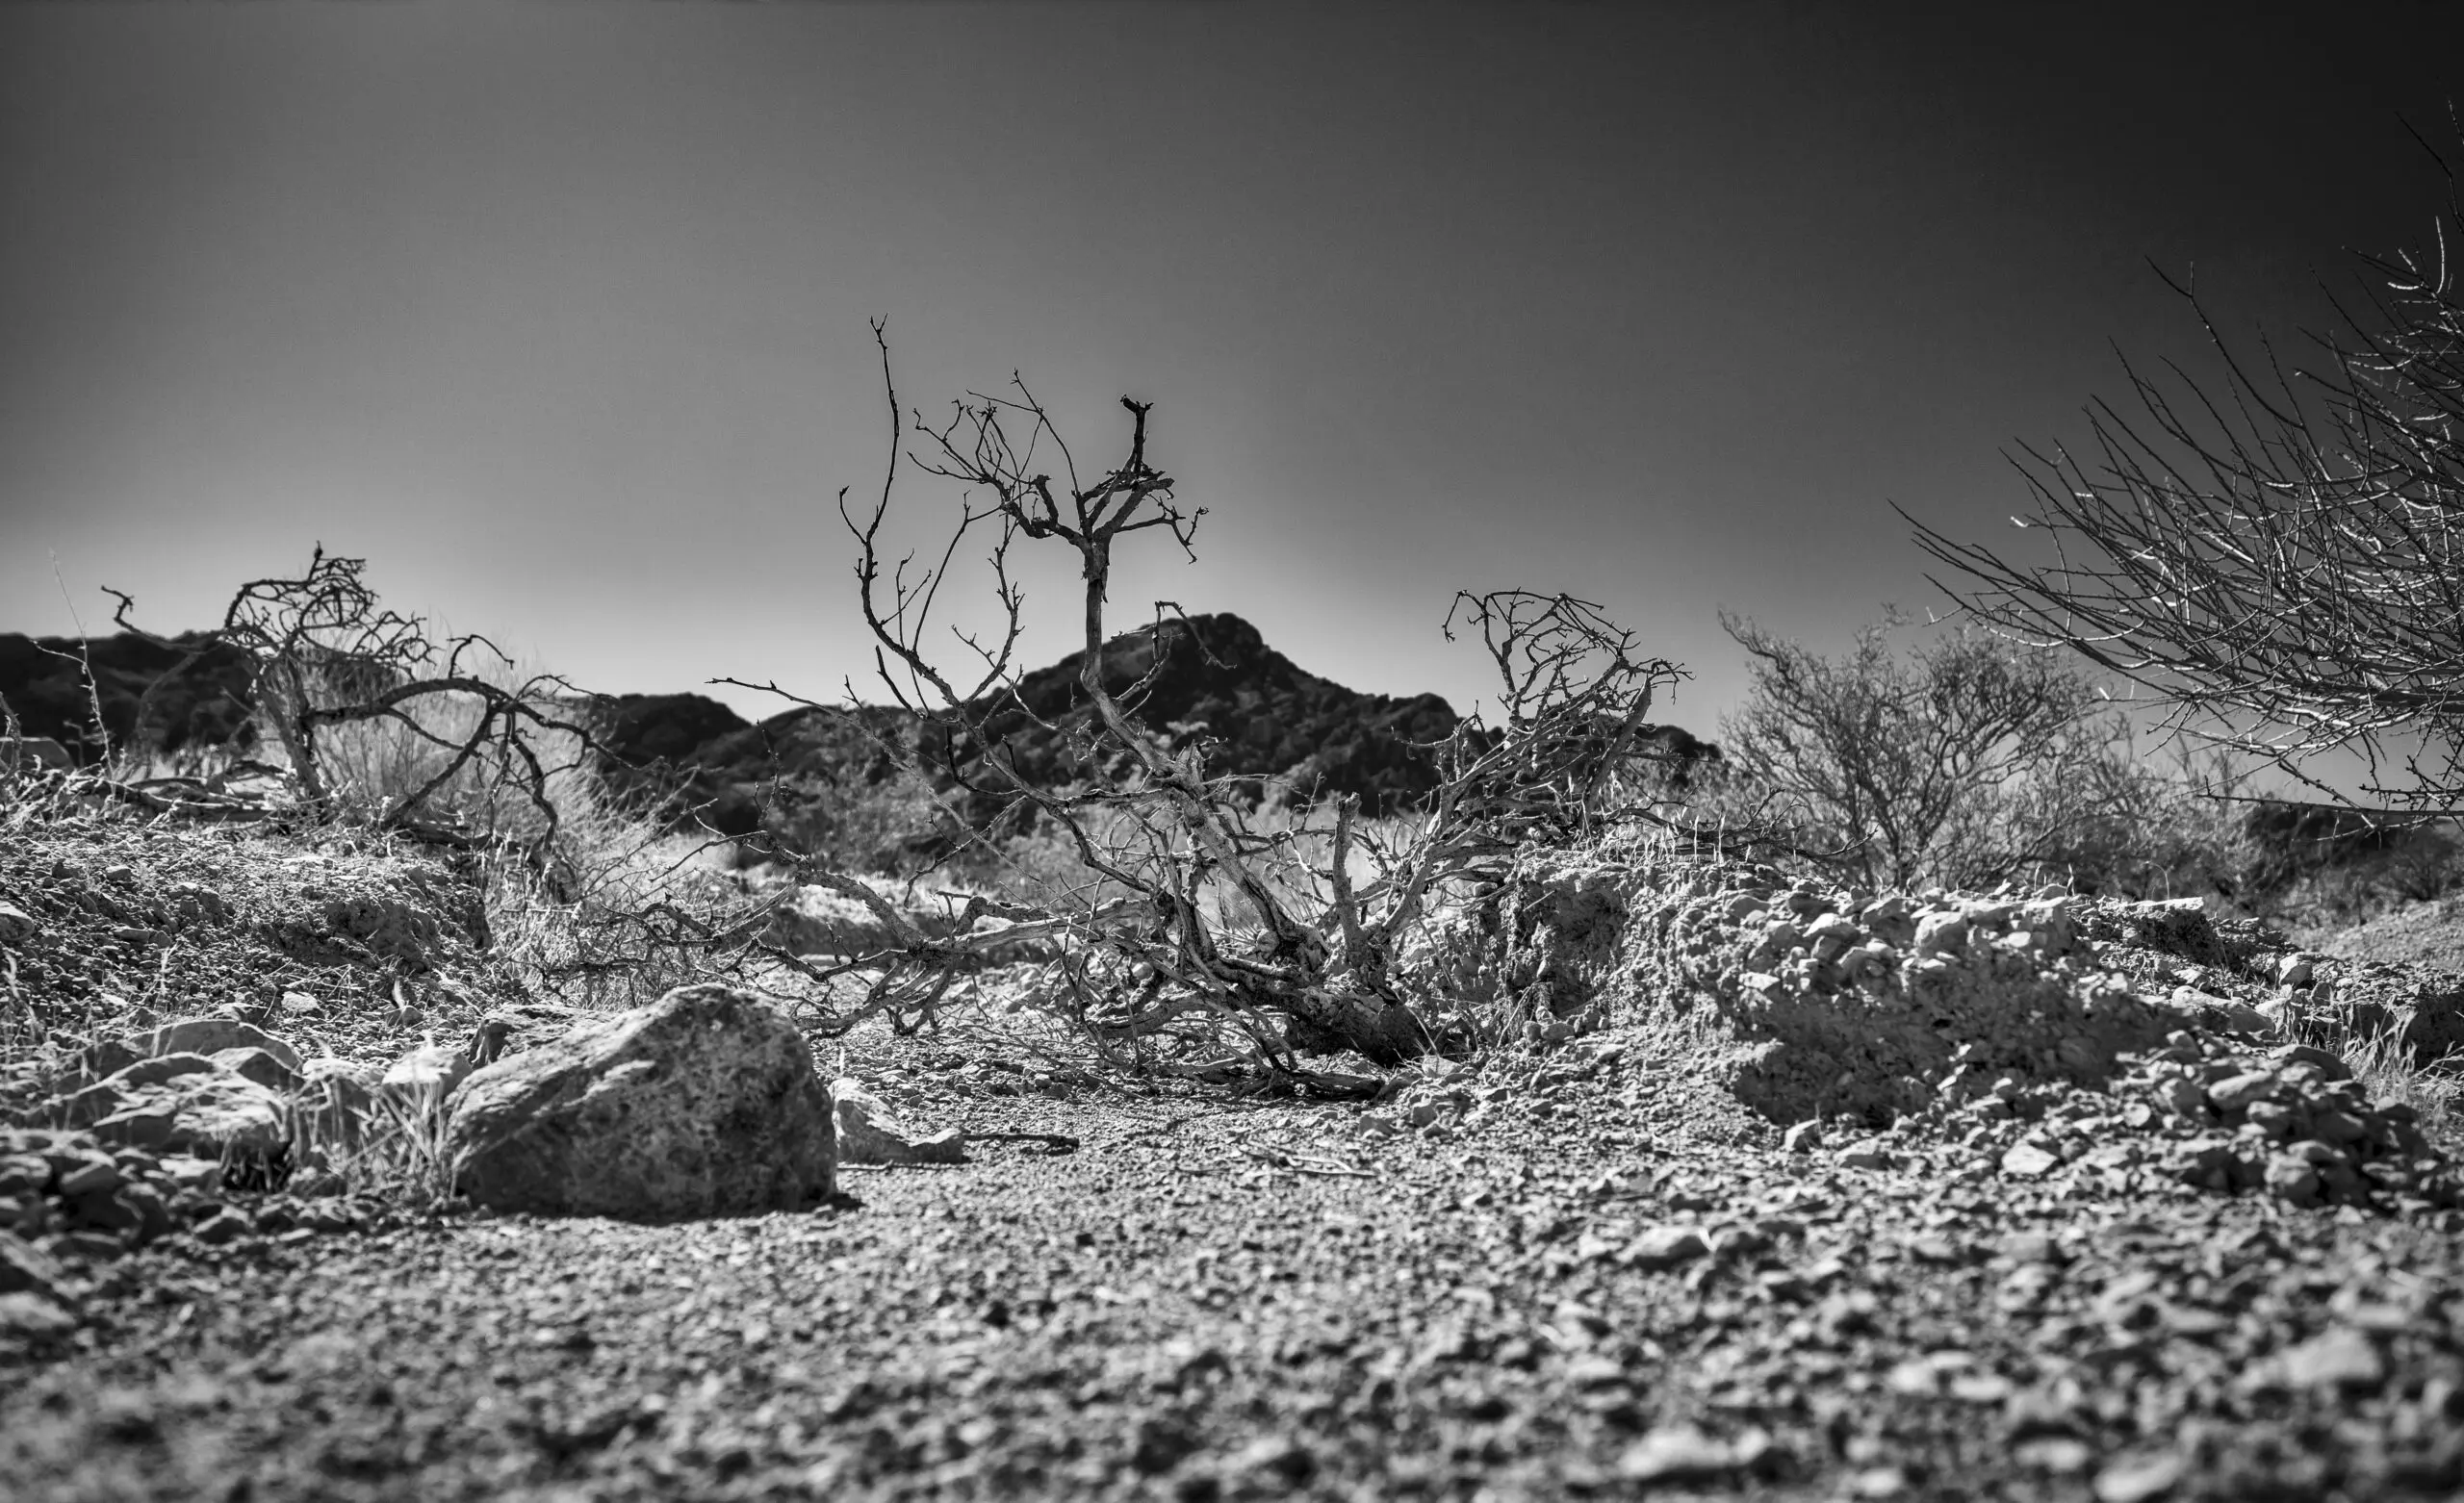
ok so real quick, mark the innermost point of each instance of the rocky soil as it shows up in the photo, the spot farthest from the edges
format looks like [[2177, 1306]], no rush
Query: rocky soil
[[1802, 1195]]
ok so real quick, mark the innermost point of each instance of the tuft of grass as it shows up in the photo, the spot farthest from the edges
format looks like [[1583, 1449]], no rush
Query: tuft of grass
[[2393, 1072], [392, 1145]]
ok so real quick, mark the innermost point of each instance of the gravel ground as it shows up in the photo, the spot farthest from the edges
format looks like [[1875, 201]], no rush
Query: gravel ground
[[1619, 1284], [1583, 1270]]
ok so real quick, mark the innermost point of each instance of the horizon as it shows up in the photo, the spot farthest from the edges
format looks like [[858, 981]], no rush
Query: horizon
[[563, 326]]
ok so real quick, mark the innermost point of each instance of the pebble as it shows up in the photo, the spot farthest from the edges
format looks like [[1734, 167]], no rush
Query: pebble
[[2139, 1479], [1665, 1247], [2338, 1358], [1676, 1453]]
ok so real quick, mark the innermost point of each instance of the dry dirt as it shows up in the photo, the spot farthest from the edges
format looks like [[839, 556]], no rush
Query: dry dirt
[[1581, 1272]]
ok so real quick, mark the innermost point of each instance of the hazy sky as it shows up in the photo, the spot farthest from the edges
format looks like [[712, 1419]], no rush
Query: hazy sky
[[557, 313]]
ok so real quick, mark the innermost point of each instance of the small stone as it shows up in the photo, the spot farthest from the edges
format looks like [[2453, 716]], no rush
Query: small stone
[[2031, 1247], [1675, 1453], [2330, 1065], [1801, 1139], [2292, 1179], [17, 925], [2184, 1096], [93, 1247], [25, 1266], [2239, 1091], [256, 1064], [1287, 1462], [2028, 1161], [869, 1133], [2339, 1358], [1939, 933], [299, 1005], [1869, 1154], [31, 1315], [2060, 1454], [2337, 1126], [105, 1210], [1594, 1371], [2276, 1120], [2140, 1478], [98, 1174], [185, 1173], [2294, 970], [1665, 1247], [1763, 985], [327, 1215], [223, 1226]]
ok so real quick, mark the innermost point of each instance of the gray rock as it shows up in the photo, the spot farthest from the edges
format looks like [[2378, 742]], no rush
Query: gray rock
[[869, 1132], [2340, 1358], [1665, 1247], [1866, 1154], [523, 1025], [2139, 1478], [92, 1104], [1680, 1453], [261, 1066], [704, 1103], [2241, 1090], [27, 1268], [32, 1315], [1941, 933], [17, 925], [202, 1035], [2028, 1161], [220, 1227], [218, 1116]]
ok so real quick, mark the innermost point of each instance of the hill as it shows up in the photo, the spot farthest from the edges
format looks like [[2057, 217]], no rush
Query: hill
[[191, 693]]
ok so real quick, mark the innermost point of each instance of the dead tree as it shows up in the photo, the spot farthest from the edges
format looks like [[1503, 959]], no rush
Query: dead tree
[[1204, 927], [2278, 556]]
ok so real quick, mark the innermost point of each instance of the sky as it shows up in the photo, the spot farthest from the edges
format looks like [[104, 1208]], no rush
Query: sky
[[558, 313]]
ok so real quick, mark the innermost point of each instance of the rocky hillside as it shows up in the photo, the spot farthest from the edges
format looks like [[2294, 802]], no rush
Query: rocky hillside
[[1264, 716]]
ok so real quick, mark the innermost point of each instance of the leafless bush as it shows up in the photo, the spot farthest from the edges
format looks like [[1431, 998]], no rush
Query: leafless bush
[[384, 724], [2277, 555], [1969, 761]]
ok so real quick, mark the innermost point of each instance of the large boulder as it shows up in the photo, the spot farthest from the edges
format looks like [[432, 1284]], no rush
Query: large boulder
[[703, 1104]]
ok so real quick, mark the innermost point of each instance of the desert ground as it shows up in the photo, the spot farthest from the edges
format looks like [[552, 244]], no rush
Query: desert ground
[[1662, 1251]]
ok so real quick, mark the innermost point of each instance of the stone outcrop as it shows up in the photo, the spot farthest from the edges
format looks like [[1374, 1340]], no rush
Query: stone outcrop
[[2054, 1031], [704, 1103]]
